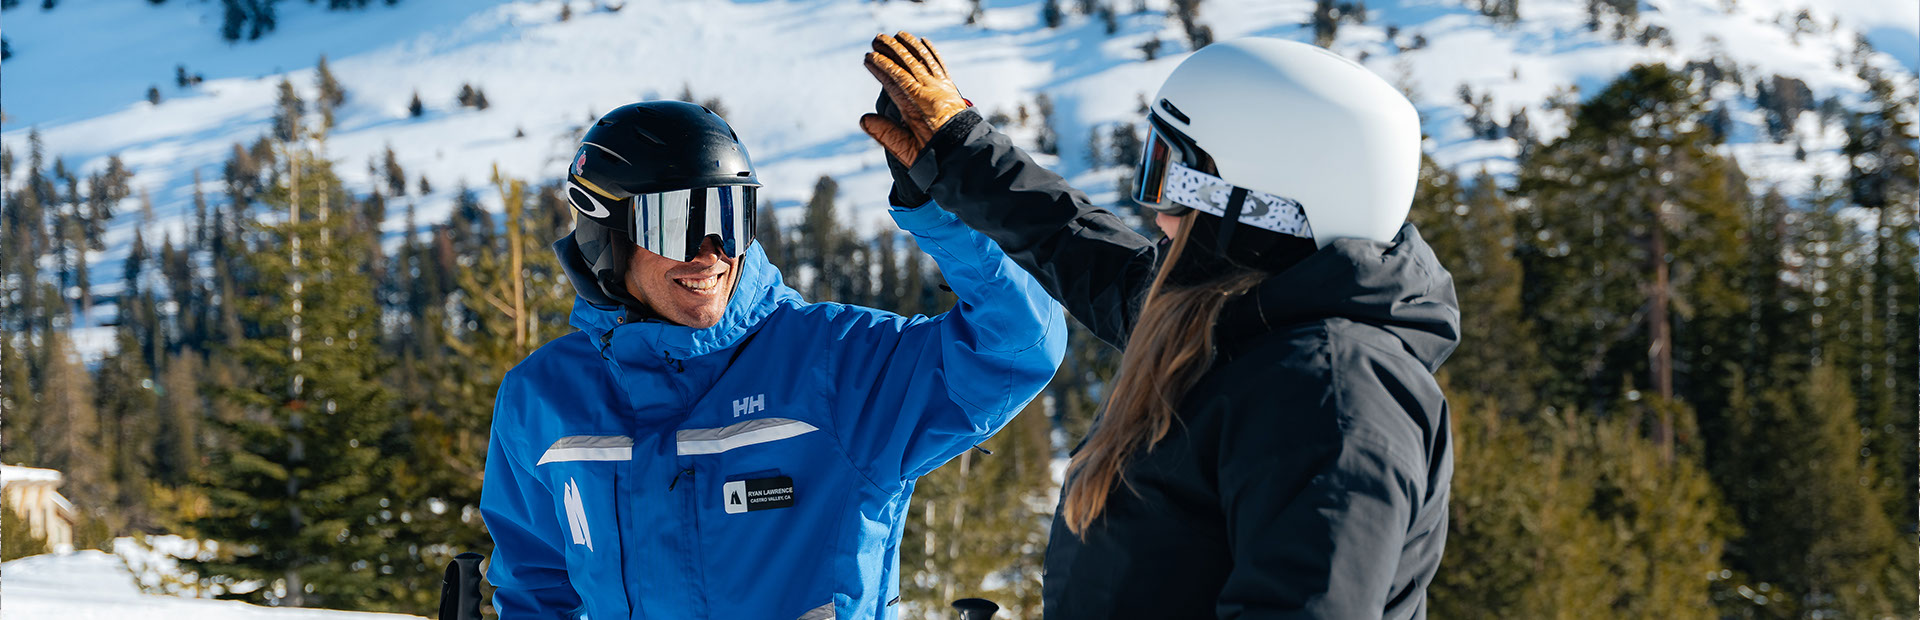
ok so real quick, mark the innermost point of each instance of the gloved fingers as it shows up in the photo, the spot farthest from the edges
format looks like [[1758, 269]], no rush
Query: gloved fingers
[[897, 141], [904, 57], [881, 45], [896, 83], [923, 52], [938, 59]]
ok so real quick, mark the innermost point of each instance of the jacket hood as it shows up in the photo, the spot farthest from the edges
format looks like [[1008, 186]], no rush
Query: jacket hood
[[758, 293], [1398, 286]]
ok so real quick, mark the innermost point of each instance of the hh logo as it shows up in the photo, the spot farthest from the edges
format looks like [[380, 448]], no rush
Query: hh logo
[[577, 516], [750, 406]]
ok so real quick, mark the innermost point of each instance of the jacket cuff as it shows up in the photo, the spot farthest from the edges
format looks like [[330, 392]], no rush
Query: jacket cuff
[[923, 218], [903, 195], [958, 131]]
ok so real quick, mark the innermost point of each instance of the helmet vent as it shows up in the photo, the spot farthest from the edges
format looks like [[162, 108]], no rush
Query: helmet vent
[[744, 173], [650, 137], [1182, 116]]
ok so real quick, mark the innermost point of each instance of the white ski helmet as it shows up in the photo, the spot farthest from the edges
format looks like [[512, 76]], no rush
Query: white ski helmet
[[1292, 121]]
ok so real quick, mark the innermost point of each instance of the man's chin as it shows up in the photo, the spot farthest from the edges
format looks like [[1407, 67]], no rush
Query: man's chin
[[703, 317]]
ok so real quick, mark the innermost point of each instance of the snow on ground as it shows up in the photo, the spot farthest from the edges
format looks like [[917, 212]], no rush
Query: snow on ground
[[92, 585], [788, 75]]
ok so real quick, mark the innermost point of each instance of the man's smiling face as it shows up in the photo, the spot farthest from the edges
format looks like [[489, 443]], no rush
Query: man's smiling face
[[693, 293]]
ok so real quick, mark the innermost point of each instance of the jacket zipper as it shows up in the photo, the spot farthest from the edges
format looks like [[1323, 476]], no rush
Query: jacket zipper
[[691, 504], [606, 339]]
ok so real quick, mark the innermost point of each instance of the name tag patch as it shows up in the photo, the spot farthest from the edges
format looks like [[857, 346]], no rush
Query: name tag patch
[[757, 494]]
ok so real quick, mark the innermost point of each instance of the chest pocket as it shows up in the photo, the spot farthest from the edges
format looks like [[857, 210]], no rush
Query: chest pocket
[[758, 460], [586, 471], [774, 499]]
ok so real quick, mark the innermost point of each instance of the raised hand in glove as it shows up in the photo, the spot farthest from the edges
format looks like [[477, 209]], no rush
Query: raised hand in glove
[[912, 74]]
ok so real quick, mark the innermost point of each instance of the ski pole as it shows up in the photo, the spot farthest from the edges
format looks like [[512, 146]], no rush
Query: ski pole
[[460, 588], [976, 608]]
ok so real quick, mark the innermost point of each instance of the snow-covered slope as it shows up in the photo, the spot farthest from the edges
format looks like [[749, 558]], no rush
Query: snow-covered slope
[[788, 74], [91, 585]]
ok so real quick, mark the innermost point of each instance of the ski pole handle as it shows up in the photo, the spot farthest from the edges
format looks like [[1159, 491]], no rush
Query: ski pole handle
[[460, 588], [975, 608]]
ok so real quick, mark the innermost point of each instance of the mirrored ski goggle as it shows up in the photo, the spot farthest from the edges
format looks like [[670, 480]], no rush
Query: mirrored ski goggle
[[1168, 185], [1157, 157], [673, 224]]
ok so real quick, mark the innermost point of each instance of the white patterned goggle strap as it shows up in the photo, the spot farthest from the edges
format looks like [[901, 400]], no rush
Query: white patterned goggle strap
[[1207, 193]]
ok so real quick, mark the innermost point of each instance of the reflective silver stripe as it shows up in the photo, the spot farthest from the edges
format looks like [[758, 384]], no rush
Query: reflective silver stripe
[[717, 440], [589, 448], [823, 612], [713, 209]]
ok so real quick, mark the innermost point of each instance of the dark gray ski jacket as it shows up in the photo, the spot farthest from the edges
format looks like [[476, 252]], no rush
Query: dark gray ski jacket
[[1308, 475]]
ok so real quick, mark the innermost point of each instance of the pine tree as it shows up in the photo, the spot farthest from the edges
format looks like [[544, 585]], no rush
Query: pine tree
[[1661, 507], [1471, 231], [233, 18], [67, 433], [19, 402], [771, 237], [177, 447], [1629, 213], [1048, 141], [1326, 23], [1519, 546], [394, 176], [126, 402], [515, 299], [332, 95], [820, 244], [16, 538], [296, 488], [979, 516], [1807, 503], [263, 18], [1884, 176], [289, 113]]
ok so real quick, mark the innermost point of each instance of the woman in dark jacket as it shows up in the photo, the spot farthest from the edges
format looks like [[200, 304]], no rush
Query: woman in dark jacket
[[1274, 445]]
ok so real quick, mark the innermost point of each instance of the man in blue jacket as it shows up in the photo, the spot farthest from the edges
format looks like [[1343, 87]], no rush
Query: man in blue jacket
[[709, 444]]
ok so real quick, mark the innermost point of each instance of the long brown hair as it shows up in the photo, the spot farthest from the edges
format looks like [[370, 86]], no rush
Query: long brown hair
[[1170, 349]]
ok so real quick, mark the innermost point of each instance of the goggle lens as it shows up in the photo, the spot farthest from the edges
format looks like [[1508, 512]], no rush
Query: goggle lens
[[1157, 154], [674, 224]]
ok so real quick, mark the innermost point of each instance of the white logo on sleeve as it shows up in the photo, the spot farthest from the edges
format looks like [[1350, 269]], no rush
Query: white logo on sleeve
[[577, 516], [750, 406]]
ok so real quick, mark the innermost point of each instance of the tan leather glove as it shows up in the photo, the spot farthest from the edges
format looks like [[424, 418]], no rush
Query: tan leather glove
[[915, 78]]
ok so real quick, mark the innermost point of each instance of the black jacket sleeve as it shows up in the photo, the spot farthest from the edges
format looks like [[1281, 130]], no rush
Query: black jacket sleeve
[[1084, 256]]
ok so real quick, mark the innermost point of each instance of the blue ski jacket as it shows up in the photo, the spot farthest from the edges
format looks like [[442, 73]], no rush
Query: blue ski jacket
[[759, 468]]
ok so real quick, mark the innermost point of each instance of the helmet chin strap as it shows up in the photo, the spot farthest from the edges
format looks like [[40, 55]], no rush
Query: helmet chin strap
[[1235, 199]]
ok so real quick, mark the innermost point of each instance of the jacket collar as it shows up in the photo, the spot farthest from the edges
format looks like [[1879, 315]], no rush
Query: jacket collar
[[757, 294], [1398, 286]]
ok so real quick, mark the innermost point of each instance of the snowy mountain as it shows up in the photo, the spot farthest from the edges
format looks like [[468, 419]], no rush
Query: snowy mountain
[[93, 585], [788, 75]]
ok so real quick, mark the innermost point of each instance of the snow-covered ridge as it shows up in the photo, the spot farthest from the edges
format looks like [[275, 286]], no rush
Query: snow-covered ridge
[[93, 585], [788, 74]]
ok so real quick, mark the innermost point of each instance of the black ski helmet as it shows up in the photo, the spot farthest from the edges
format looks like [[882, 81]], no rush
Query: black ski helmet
[[662, 175]]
